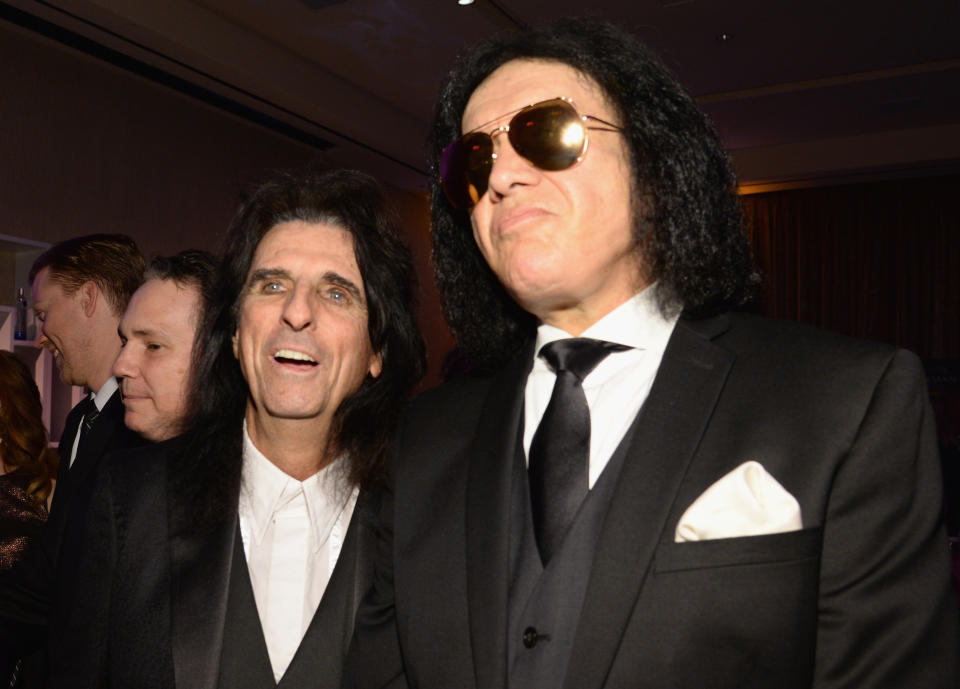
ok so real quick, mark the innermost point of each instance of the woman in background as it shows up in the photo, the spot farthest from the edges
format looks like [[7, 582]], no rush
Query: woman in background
[[27, 467]]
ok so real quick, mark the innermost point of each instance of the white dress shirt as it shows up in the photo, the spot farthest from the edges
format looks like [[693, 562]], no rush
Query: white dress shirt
[[100, 399], [292, 535], [618, 386]]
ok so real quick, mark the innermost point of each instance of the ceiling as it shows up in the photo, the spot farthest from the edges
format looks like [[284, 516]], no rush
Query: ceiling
[[798, 90]]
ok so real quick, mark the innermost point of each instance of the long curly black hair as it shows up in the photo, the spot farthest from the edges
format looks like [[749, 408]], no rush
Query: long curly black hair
[[688, 226]]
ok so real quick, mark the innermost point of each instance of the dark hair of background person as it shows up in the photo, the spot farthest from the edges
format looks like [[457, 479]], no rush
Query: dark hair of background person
[[189, 268], [110, 260], [364, 421], [688, 228], [23, 439]]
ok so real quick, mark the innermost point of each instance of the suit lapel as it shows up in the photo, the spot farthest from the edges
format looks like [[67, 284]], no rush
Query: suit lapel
[[669, 427], [75, 484], [70, 429], [200, 564], [488, 520], [93, 444]]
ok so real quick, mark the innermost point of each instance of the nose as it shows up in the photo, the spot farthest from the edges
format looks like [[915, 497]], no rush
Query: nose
[[41, 338], [124, 366], [510, 171], [298, 311]]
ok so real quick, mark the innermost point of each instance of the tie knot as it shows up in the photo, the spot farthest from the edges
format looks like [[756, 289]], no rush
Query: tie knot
[[89, 412], [578, 355], [86, 405]]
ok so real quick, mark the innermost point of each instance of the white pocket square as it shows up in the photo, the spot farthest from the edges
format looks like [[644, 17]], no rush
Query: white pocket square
[[746, 502]]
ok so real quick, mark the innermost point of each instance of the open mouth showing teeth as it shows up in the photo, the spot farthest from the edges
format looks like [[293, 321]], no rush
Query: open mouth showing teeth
[[288, 356]]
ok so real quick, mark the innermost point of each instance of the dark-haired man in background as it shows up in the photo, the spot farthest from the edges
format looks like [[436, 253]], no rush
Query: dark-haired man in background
[[156, 337], [235, 554], [158, 333], [655, 491]]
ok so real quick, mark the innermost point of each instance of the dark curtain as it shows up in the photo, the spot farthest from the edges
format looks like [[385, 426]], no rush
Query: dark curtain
[[877, 261]]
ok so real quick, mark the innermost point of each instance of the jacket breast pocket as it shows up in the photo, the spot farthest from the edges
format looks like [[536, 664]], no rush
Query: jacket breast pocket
[[734, 552], [729, 612]]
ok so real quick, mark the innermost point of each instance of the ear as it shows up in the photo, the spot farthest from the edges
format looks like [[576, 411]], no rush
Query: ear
[[89, 297], [376, 365], [236, 344]]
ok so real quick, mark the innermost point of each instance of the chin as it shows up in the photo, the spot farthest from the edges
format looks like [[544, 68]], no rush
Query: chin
[[143, 432], [291, 409], [536, 295], [537, 271]]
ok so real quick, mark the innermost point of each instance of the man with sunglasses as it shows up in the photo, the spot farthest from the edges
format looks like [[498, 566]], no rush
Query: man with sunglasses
[[650, 490]]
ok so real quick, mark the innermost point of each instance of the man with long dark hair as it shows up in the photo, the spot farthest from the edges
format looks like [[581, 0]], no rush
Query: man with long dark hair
[[235, 554], [652, 490], [155, 336], [159, 331]]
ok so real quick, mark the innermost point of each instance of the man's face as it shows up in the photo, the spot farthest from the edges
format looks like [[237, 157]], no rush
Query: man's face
[[62, 328], [560, 242], [302, 339], [157, 331]]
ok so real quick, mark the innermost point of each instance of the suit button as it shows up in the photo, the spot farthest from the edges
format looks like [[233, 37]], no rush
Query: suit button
[[530, 637]]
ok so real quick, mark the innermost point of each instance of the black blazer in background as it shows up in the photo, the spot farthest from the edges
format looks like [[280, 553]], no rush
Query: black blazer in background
[[156, 585], [860, 597], [47, 575]]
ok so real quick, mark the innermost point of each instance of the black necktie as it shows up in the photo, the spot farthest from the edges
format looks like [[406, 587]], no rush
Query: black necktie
[[87, 412], [560, 450], [90, 415]]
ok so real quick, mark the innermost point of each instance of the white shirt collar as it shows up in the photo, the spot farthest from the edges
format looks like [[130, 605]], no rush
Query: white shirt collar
[[105, 392], [637, 323], [265, 489]]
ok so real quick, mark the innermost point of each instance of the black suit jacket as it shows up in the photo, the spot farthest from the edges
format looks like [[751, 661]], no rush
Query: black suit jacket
[[47, 575], [156, 584], [859, 597]]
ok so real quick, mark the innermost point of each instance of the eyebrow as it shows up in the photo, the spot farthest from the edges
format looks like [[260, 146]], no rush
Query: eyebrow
[[262, 274], [140, 332], [346, 283]]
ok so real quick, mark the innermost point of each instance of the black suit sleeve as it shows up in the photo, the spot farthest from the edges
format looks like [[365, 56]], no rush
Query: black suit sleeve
[[375, 660], [887, 616]]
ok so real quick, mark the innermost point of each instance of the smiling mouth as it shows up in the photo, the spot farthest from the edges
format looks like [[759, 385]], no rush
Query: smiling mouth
[[289, 356]]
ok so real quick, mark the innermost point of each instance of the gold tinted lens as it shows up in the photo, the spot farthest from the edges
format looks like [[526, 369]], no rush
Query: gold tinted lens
[[465, 169], [549, 134]]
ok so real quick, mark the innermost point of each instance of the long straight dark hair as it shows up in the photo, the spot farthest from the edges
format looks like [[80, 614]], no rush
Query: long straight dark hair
[[364, 421]]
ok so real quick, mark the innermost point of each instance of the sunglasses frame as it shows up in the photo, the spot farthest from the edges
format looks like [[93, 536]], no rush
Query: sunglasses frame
[[505, 129]]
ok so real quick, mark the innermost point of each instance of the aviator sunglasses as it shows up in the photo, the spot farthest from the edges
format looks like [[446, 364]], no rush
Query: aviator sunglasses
[[551, 135]]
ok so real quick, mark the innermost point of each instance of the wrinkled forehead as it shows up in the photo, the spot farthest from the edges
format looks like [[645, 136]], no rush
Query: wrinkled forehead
[[307, 250]]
